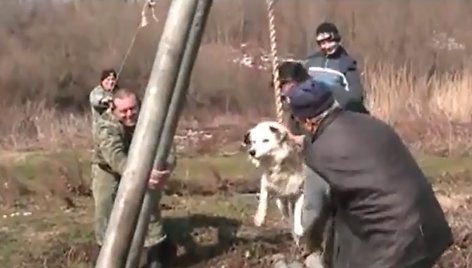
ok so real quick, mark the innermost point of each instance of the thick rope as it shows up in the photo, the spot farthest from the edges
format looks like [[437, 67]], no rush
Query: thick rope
[[275, 61], [149, 4], [276, 83]]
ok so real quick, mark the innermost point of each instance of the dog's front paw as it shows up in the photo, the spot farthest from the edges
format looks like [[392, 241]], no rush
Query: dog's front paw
[[297, 239], [259, 219]]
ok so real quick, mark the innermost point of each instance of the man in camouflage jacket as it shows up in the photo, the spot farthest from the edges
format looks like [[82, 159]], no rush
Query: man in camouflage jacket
[[112, 137], [101, 95]]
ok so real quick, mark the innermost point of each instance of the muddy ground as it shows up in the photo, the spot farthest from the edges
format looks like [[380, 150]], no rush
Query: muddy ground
[[46, 218]]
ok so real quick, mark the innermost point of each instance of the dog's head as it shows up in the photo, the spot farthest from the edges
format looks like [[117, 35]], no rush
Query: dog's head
[[264, 140]]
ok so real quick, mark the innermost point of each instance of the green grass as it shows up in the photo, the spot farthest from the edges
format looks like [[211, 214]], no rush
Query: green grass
[[236, 166], [434, 165], [35, 165], [9, 245], [230, 167], [51, 229]]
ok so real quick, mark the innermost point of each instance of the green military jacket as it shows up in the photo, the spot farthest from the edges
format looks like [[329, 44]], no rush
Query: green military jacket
[[96, 97], [111, 142]]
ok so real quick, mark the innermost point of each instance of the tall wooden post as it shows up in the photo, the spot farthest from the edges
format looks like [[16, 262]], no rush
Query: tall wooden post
[[175, 108], [142, 152]]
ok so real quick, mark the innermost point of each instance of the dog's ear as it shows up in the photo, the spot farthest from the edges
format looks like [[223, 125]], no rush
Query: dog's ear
[[246, 138], [280, 135], [274, 130]]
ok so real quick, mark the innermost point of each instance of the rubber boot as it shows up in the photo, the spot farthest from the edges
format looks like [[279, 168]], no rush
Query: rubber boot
[[154, 257], [95, 253], [161, 255]]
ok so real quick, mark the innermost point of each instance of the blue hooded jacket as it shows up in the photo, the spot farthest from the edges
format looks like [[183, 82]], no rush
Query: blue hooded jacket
[[339, 72]]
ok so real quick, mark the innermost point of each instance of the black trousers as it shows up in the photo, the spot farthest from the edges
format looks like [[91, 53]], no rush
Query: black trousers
[[350, 251]]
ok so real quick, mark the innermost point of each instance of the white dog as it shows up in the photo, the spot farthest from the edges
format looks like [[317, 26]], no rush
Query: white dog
[[280, 159]]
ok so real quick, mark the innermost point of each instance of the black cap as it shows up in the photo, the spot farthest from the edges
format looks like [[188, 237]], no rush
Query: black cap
[[327, 31]]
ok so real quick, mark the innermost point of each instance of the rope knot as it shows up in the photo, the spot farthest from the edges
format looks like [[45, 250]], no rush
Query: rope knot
[[149, 4]]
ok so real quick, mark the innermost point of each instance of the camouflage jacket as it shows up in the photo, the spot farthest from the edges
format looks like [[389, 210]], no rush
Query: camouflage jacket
[[96, 99], [111, 142]]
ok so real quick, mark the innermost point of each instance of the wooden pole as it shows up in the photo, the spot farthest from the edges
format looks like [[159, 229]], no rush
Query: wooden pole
[[142, 152], [173, 114]]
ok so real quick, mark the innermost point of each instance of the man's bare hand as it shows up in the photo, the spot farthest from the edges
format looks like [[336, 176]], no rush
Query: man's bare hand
[[158, 178], [298, 139]]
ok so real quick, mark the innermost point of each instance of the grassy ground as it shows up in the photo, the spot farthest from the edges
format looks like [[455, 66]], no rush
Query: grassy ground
[[47, 211]]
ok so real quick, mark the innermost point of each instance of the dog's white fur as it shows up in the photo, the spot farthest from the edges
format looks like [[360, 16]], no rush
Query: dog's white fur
[[280, 159]]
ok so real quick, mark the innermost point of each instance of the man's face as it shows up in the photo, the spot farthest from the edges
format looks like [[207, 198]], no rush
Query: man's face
[[109, 83], [307, 124], [126, 110], [285, 87], [328, 46]]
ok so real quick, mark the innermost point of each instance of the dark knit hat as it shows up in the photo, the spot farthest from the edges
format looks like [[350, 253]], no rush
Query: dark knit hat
[[327, 31], [308, 100]]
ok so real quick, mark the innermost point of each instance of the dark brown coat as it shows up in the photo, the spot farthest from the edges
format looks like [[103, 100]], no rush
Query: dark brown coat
[[386, 212]]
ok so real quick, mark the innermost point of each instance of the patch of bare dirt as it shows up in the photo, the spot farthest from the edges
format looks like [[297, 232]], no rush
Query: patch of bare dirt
[[214, 186], [200, 241], [210, 241], [60, 254], [460, 254], [205, 240]]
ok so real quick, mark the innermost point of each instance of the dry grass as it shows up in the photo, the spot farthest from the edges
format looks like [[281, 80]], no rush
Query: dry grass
[[416, 67]]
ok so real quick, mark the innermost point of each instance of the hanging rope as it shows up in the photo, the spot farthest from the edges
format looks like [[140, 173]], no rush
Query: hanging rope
[[276, 83], [148, 5], [275, 61]]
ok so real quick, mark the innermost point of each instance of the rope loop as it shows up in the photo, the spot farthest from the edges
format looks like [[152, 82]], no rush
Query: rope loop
[[148, 5]]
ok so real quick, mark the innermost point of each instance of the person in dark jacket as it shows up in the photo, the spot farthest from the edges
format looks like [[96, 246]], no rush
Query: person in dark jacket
[[294, 75], [333, 65], [386, 213]]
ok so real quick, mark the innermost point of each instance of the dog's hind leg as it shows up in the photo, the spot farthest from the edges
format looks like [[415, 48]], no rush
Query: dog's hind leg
[[259, 218], [297, 217]]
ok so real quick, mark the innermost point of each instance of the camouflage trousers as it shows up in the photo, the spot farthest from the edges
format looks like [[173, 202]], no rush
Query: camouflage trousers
[[104, 189]]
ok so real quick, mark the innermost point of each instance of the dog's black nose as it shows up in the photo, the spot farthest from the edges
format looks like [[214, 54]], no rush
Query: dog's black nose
[[252, 152]]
